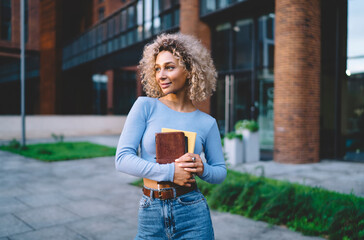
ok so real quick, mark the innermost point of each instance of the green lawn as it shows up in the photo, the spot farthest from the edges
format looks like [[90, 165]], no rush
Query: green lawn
[[60, 151]]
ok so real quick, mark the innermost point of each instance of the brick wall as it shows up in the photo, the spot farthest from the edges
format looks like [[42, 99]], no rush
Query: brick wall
[[297, 81], [50, 56], [33, 28], [110, 6], [190, 24]]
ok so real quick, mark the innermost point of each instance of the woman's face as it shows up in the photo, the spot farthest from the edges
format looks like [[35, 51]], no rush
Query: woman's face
[[170, 75]]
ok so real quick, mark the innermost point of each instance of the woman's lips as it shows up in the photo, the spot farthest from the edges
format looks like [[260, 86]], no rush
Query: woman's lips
[[165, 85]]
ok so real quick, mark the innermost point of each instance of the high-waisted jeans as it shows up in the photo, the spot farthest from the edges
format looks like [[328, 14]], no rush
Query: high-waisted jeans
[[184, 217]]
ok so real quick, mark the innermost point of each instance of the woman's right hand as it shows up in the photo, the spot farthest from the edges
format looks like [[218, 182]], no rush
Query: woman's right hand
[[181, 176]]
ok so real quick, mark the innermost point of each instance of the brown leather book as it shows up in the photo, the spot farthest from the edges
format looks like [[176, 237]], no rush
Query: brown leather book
[[170, 146]]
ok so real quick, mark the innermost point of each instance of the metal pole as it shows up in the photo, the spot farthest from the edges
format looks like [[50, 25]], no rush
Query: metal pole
[[22, 68]]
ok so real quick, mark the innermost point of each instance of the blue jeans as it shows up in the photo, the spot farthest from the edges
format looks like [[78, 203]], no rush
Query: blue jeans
[[184, 217]]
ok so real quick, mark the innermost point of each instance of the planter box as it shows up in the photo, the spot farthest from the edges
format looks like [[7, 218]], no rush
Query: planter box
[[251, 146], [234, 150]]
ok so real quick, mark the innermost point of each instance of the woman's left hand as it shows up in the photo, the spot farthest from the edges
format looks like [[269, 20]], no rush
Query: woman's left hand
[[191, 163]]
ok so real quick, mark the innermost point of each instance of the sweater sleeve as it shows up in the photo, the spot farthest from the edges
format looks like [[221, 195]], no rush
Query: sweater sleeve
[[214, 168], [126, 159]]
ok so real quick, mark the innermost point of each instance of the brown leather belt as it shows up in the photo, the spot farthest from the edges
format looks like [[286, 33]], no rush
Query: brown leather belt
[[168, 193], [158, 185]]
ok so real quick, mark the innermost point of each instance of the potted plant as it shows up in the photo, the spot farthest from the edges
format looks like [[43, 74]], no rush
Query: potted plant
[[234, 149], [249, 130]]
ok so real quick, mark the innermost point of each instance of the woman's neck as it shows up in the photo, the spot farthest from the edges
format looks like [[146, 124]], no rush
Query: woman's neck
[[178, 102]]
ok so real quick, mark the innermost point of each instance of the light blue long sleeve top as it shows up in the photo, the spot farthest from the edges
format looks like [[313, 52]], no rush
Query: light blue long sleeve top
[[146, 118]]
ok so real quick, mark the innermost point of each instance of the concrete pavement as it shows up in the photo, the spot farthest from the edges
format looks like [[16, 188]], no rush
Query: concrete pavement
[[88, 199]]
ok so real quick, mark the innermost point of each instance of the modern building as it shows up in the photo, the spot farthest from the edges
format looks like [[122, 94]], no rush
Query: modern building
[[297, 67]]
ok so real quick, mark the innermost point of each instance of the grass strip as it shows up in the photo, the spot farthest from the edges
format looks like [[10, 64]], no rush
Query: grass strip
[[309, 210], [59, 151]]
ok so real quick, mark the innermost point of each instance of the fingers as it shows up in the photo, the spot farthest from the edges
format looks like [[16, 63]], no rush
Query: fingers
[[189, 157], [191, 163]]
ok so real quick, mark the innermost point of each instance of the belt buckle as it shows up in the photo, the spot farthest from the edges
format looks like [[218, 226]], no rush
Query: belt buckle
[[159, 191]]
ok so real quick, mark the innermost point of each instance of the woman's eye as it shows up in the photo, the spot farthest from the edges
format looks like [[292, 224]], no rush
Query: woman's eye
[[157, 69], [170, 67]]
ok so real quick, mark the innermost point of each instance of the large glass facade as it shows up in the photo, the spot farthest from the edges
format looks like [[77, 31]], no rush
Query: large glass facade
[[137, 22], [243, 52], [124, 92], [353, 85]]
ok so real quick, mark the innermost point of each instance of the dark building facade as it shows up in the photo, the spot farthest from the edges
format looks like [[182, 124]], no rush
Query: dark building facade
[[297, 67]]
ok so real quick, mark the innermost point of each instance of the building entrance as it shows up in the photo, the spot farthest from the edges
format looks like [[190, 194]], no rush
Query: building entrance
[[243, 52]]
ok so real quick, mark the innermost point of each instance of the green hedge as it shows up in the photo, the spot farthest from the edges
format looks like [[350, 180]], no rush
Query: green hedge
[[312, 211]]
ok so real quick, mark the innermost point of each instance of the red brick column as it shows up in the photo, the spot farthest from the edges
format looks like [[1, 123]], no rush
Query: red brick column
[[190, 24], [50, 56], [297, 81], [110, 91]]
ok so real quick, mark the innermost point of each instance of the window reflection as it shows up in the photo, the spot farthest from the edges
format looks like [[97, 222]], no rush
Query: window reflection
[[139, 20], [355, 63], [353, 86]]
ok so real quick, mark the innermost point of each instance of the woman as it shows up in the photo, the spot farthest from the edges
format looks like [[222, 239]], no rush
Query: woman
[[175, 70]]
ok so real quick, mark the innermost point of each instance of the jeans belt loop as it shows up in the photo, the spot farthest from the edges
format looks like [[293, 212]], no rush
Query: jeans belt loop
[[151, 194], [174, 192]]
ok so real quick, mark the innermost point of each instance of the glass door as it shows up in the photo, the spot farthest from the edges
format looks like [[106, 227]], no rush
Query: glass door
[[243, 53]]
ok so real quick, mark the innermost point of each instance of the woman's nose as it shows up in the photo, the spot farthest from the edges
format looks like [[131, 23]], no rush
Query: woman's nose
[[161, 74]]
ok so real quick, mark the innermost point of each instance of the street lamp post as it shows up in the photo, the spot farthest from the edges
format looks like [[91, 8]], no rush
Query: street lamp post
[[22, 69]]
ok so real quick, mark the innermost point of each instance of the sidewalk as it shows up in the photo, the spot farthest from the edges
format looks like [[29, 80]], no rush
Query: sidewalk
[[88, 199]]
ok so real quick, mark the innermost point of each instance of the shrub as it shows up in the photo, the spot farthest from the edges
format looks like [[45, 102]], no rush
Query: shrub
[[312, 211], [250, 125]]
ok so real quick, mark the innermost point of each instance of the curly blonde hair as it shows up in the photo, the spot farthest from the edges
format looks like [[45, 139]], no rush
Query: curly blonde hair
[[192, 56]]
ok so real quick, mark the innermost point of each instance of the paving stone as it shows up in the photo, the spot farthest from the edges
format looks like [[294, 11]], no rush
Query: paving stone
[[6, 191], [90, 208], [105, 227], [47, 199], [53, 233], [10, 225], [238, 227], [47, 216], [11, 205]]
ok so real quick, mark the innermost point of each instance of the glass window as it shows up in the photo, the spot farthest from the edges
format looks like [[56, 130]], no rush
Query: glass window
[[244, 44], [207, 6], [147, 10], [167, 21], [355, 63], [166, 4], [223, 3], [111, 27], [156, 8], [140, 20], [176, 18], [123, 97], [123, 20], [5, 19], [140, 13], [221, 50], [157, 25], [148, 29], [101, 13], [131, 16], [353, 85]]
